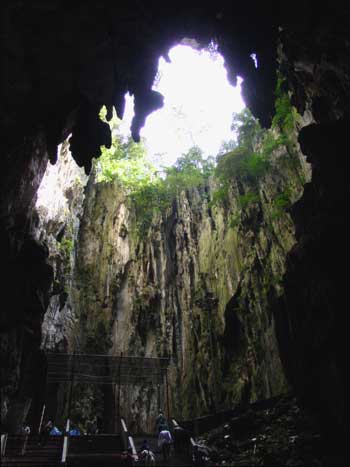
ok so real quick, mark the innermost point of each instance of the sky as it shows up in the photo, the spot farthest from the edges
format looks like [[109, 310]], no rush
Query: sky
[[198, 106]]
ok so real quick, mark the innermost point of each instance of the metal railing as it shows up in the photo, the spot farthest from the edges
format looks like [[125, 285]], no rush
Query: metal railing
[[65, 443], [192, 443], [127, 440], [3, 444]]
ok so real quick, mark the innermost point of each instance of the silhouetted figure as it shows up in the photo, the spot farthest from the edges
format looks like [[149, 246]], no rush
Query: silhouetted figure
[[164, 442], [25, 432], [128, 458], [99, 425], [45, 433], [25, 429], [145, 445], [182, 441], [91, 427], [74, 431], [55, 431], [200, 456], [161, 422], [146, 456]]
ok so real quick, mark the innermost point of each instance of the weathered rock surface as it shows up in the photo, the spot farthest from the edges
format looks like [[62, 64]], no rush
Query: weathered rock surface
[[58, 55], [59, 208], [274, 433], [194, 288]]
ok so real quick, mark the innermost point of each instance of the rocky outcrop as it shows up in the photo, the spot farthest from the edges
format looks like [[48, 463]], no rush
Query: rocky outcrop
[[59, 208], [275, 432], [25, 282], [311, 315], [58, 58], [194, 288]]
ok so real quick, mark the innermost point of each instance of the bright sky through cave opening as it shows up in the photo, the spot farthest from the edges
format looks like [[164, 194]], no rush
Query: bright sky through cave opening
[[198, 105]]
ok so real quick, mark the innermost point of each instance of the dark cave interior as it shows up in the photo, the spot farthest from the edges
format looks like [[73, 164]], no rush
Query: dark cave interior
[[62, 60]]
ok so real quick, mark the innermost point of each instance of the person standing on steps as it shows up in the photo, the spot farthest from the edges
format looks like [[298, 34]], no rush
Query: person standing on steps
[[146, 456], [182, 441], [161, 422], [164, 442], [45, 433]]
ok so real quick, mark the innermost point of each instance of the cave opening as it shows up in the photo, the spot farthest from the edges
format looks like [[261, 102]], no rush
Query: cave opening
[[147, 257], [172, 267]]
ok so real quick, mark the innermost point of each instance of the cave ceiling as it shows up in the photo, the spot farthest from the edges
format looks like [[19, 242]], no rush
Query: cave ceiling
[[63, 60]]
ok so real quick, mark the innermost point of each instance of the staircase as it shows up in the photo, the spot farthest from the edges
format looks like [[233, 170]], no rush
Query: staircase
[[101, 450], [27, 452]]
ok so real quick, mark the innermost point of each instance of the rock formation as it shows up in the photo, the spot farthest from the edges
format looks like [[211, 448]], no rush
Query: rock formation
[[194, 287], [61, 60]]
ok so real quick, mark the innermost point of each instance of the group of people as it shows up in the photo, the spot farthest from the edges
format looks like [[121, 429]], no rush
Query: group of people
[[146, 456], [50, 429], [179, 439], [165, 439]]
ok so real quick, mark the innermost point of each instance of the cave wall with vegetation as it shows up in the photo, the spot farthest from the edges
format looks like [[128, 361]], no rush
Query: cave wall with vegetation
[[59, 208], [192, 285], [61, 60]]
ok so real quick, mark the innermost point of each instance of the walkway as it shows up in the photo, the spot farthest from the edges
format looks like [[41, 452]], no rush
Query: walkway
[[175, 460]]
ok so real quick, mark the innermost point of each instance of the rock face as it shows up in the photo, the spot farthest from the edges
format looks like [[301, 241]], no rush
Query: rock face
[[59, 61], [194, 288], [59, 207], [310, 316], [26, 279], [274, 432]]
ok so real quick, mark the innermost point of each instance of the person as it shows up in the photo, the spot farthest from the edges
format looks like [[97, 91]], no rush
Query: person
[[89, 427], [92, 427], [25, 433], [25, 429], [200, 456], [164, 442], [128, 458], [74, 431], [147, 457], [145, 446], [161, 423], [45, 433], [182, 441], [55, 431]]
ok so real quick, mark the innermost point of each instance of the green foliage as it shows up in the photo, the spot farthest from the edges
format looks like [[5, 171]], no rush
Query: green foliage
[[248, 129], [270, 143], [148, 190], [190, 171], [234, 220], [227, 146], [124, 160], [248, 199], [220, 195], [250, 158], [285, 114], [281, 203], [245, 161], [66, 245]]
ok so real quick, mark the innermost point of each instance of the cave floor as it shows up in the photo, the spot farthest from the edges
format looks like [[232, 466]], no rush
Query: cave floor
[[282, 435]]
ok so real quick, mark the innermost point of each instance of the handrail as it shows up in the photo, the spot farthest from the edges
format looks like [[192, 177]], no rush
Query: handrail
[[127, 440], [174, 422], [65, 443], [133, 449], [124, 433], [25, 442], [192, 441], [3, 443], [41, 418]]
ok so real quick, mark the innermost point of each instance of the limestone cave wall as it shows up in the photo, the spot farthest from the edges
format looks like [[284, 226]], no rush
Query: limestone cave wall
[[61, 60], [194, 287]]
